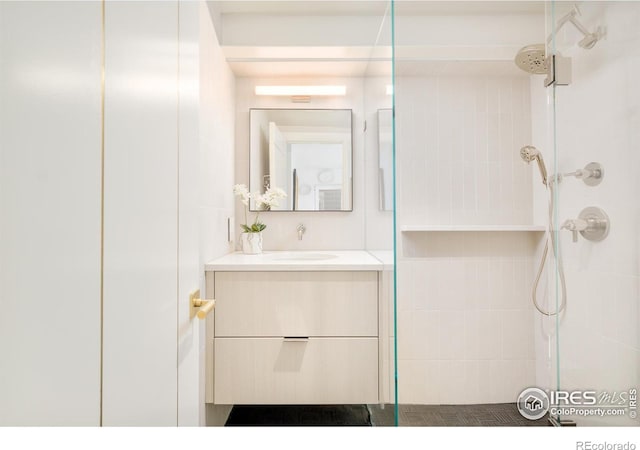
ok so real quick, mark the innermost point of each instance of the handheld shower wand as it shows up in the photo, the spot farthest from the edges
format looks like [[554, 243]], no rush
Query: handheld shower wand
[[529, 153]]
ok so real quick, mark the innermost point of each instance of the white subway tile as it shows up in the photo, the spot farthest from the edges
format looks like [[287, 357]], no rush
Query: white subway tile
[[627, 297], [490, 342], [493, 137], [452, 335], [482, 136], [470, 283], [506, 94], [610, 320], [473, 332], [470, 189], [452, 383], [422, 386], [480, 90], [507, 147], [517, 335], [493, 95], [426, 335], [488, 385], [482, 183]]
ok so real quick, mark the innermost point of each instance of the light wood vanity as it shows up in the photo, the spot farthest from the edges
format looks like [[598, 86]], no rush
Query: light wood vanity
[[294, 328]]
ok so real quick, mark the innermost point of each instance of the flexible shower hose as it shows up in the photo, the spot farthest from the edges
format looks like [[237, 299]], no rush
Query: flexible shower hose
[[550, 236]]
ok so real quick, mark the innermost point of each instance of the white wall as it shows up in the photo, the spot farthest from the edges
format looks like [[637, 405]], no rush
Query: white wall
[[598, 119], [50, 213], [216, 163], [464, 311], [217, 137], [325, 230], [190, 394]]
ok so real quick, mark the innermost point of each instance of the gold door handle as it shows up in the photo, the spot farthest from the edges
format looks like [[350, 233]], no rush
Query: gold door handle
[[206, 306]]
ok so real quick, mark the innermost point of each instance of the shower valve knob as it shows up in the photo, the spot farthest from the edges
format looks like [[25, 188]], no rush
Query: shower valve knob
[[574, 226], [592, 223]]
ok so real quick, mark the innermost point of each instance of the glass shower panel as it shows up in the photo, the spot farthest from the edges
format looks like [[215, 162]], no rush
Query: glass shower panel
[[379, 183], [595, 137], [468, 230]]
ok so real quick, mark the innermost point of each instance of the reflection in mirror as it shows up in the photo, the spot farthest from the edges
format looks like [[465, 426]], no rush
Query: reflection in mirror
[[385, 159], [305, 152]]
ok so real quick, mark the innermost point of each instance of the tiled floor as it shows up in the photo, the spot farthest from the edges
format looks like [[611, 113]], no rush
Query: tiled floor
[[300, 415], [494, 415]]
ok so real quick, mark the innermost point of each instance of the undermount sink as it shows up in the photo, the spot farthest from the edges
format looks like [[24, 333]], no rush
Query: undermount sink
[[303, 256]]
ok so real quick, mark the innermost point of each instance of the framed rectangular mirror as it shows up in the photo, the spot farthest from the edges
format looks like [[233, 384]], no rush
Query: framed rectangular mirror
[[305, 152], [385, 159]]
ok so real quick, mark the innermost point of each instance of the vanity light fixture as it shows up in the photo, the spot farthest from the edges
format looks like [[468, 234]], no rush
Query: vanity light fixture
[[301, 91]]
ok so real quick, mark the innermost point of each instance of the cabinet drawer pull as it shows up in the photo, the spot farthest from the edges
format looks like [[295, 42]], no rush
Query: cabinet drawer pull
[[296, 338]]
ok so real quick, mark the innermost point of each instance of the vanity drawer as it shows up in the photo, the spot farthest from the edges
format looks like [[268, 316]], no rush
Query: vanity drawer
[[313, 371], [277, 304]]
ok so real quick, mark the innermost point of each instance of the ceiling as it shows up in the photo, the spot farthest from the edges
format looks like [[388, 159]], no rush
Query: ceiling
[[377, 7], [338, 38]]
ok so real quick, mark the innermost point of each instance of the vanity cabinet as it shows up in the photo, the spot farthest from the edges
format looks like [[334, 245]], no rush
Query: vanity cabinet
[[294, 337]]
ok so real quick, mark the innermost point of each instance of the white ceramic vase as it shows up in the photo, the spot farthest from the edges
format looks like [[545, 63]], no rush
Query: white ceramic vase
[[252, 243]]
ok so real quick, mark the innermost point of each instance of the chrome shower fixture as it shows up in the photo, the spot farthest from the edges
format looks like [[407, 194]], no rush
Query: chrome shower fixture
[[529, 153], [592, 174], [589, 40], [592, 223], [532, 59], [535, 60]]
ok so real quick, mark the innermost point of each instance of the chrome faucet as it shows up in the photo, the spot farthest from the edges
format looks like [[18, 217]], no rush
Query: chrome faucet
[[301, 229]]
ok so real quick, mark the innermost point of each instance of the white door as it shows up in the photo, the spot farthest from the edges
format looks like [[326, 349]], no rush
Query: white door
[[140, 314]]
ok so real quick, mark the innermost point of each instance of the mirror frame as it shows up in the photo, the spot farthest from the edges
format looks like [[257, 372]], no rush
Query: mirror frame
[[350, 209]]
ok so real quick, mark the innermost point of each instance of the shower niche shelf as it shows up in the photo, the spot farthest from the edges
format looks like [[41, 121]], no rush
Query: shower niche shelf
[[472, 228]]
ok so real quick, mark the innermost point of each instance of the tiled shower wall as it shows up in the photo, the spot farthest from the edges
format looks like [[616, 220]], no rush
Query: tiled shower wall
[[457, 150], [465, 319]]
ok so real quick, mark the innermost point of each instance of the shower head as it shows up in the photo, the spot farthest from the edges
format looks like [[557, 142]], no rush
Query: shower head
[[532, 59], [529, 153], [589, 41]]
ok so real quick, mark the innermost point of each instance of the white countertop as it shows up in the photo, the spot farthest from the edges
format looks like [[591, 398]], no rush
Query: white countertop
[[320, 260], [384, 256]]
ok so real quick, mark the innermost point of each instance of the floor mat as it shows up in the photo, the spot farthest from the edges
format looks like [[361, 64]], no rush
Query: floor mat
[[296, 415]]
